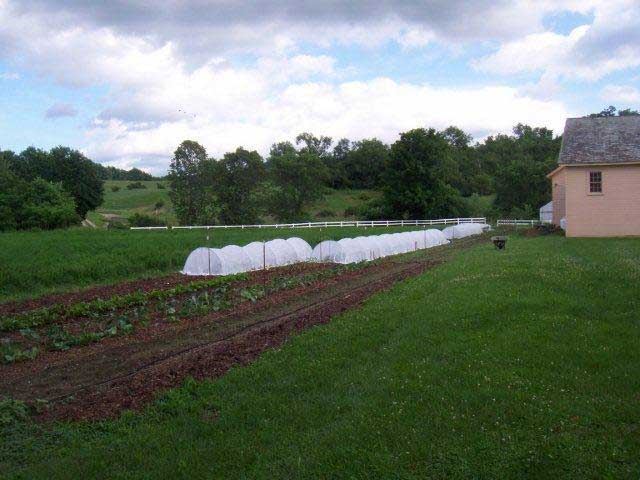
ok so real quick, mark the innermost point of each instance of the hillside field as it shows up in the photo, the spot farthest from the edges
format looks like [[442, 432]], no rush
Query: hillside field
[[124, 203], [35, 263], [514, 364]]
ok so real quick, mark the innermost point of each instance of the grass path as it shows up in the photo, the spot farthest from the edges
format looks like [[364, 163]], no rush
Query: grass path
[[515, 364]]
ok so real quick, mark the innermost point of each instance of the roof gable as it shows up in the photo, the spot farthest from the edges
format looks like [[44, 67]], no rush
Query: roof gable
[[601, 140]]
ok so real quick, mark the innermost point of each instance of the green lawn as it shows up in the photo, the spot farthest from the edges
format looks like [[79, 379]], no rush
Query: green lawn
[[515, 364], [34, 263]]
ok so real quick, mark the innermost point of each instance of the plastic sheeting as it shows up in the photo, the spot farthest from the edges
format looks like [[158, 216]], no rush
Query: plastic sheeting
[[274, 253], [464, 230], [254, 256], [360, 249]]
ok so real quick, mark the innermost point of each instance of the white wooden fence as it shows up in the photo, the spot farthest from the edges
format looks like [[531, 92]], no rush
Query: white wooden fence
[[529, 223], [346, 223]]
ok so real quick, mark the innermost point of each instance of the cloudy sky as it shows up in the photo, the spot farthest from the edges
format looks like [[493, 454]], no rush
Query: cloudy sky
[[127, 81]]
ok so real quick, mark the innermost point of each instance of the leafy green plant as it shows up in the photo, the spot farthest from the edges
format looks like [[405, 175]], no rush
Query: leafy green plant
[[10, 352], [12, 411]]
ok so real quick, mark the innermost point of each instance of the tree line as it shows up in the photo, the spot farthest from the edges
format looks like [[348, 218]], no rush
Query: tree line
[[424, 174]]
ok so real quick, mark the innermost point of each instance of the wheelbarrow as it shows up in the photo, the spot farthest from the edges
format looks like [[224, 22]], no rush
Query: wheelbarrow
[[500, 242]]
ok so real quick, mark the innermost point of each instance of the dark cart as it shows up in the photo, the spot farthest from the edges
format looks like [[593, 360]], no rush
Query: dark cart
[[500, 242]]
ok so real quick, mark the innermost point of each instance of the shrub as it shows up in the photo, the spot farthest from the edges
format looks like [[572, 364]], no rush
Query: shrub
[[142, 220], [364, 196], [549, 229], [326, 213], [350, 211], [115, 188], [159, 205], [160, 186], [136, 186], [117, 225], [34, 204]]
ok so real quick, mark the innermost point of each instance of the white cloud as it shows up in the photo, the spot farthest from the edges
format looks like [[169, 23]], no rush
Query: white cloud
[[380, 107], [621, 93], [589, 52], [9, 76], [168, 77]]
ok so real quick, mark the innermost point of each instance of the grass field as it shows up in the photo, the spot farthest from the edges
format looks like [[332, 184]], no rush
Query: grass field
[[515, 364], [125, 203], [34, 263]]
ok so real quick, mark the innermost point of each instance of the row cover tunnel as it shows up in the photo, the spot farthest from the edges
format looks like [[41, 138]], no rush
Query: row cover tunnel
[[279, 252]]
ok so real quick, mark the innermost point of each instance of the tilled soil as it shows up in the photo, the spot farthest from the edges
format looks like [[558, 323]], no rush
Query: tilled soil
[[101, 380], [164, 282]]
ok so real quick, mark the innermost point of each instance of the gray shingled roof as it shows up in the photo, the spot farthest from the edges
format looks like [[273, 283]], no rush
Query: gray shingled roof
[[601, 140]]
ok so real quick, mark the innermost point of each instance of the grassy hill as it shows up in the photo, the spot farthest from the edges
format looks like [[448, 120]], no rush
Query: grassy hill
[[121, 204], [514, 364]]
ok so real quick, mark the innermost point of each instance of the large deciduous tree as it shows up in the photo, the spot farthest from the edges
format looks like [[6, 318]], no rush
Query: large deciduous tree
[[365, 163], [237, 179], [413, 183], [526, 158], [78, 175], [191, 176], [296, 179]]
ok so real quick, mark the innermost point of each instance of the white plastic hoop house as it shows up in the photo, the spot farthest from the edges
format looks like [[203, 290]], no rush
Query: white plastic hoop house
[[254, 256], [303, 249], [274, 253], [326, 251], [464, 230]]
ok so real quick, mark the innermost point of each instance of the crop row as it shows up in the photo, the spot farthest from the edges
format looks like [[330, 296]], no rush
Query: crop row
[[208, 297], [59, 312]]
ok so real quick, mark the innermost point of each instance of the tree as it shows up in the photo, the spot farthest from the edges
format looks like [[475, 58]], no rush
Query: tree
[[365, 162], [413, 187], [337, 162], [611, 112], [77, 174], [295, 179], [520, 176], [31, 204], [316, 145], [191, 176], [237, 179]]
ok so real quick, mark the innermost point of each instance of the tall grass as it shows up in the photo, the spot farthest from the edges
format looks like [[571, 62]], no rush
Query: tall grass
[[34, 263]]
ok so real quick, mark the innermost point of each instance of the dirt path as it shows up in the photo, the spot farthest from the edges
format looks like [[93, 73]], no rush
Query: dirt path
[[107, 378]]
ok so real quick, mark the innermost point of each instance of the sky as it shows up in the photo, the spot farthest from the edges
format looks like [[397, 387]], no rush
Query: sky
[[126, 81]]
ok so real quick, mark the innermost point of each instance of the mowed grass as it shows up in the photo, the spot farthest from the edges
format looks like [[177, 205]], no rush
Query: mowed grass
[[36, 263], [514, 364]]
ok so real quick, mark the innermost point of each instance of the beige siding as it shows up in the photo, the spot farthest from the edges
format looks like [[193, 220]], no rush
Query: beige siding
[[615, 212], [558, 195]]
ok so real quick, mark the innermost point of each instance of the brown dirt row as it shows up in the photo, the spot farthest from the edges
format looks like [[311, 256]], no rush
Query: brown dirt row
[[163, 282], [213, 359], [101, 380]]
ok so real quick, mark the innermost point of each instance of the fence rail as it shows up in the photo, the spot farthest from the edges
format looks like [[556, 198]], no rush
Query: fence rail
[[517, 222], [346, 223]]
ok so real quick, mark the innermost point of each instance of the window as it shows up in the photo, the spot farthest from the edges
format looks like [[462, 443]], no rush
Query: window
[[595, 182]]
